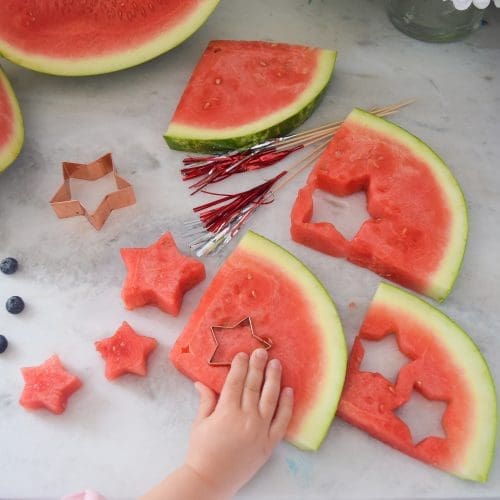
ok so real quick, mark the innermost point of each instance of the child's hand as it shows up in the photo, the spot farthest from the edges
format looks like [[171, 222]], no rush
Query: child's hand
[[234, 436]]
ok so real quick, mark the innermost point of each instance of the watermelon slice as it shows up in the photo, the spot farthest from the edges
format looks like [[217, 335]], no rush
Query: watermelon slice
[[88, 38], [126, 352], [159, 275], [289, 309], [243, 92], [48, 386], [444, 365], [418, 230], [11, 124]]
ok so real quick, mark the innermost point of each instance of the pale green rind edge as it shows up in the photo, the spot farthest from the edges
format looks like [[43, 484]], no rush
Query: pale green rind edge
[[465, 354], [10, 151], [204, 140], [317, 423], [443, 279], [114, 61]]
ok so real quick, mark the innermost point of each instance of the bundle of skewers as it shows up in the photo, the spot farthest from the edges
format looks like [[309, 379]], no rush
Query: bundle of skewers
[[221, 219]]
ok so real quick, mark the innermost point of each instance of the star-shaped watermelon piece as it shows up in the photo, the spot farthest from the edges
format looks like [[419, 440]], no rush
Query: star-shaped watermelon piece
[[48, 385], [126, 352], [160, 275]]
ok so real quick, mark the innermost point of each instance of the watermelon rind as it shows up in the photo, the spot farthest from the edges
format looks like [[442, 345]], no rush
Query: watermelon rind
[[114, 61], [209, 140], [11, 149], [441, 282], [316, 423], [476, 460]]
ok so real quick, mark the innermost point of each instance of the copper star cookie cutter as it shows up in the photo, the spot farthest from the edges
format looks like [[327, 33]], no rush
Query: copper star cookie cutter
[[64, 206], [266, 343]]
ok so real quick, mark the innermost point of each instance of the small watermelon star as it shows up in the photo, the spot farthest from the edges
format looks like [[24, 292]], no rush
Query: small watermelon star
[[159, 275], [126, 352], [48, 385]]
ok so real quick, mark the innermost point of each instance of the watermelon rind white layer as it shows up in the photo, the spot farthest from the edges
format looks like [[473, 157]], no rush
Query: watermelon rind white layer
[[317, 421], [11, 149], [477, 457], [202, 139], [442, 280], [116, 60]]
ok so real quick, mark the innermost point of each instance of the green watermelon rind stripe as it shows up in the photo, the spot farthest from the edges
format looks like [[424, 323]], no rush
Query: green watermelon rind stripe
[[204, 140], [115, 61], [10, 150], [316, 423], [464, 353], [442, 280]]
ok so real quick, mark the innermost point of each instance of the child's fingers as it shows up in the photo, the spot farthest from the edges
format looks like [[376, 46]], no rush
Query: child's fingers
[[253, 382], [233, 386], [208, 400], [283, 415], [271, 390]]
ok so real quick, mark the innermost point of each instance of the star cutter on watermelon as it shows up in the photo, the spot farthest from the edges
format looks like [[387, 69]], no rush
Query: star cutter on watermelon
[[48, 385], [64, 206], [265, 343], [126, 352], [159, 275]]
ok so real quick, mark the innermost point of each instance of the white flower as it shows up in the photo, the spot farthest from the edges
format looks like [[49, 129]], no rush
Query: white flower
[[480, 4]]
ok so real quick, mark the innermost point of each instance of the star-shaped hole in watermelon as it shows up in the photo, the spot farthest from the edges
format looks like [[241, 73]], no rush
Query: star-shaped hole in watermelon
[[423, 416], [159, 275], [126, 352], [383, 356], [48, 385], [230, 340]]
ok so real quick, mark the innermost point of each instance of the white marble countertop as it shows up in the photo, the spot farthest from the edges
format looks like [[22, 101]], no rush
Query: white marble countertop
[[122, 437]]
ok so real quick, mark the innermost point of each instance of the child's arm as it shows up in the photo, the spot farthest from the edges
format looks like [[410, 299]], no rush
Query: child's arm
[[232, 437]]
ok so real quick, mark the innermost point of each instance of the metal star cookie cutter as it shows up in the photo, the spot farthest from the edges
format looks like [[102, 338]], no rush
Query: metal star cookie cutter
[[64, 206], [266, 343]]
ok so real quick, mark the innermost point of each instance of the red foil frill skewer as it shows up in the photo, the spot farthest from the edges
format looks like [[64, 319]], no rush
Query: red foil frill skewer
[[217, 168]]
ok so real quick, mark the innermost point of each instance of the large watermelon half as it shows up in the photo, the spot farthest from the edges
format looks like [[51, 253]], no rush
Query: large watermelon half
[[83, 37], [418, 228], [444, 365], [11, 124], [243, 92], [289, 308]]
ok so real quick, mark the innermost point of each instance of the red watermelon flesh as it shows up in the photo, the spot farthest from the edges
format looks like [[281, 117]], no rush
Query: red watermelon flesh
[[126, 352], [418, 228], [48, 386], [81, 37], [288, 306], [444, 365], [11, 124], [159, 275]]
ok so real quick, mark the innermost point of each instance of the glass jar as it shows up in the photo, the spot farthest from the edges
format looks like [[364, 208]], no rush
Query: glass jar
[[433, 20]]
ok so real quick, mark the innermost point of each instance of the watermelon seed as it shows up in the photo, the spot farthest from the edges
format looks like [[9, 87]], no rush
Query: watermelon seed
[[249, 276], [263, 63], [253, 294], [206, 105], [391, 389], [381, 408], [218, 81]]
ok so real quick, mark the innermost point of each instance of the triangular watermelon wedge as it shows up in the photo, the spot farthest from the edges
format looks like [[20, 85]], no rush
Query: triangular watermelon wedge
[[288, 307], [11, 124], [445, 365], [244, 92], [418, 228], [89, 38]]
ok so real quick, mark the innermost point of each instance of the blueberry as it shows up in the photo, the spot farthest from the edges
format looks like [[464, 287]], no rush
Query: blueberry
[[3, 344], [8, 265], [14, 304]]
